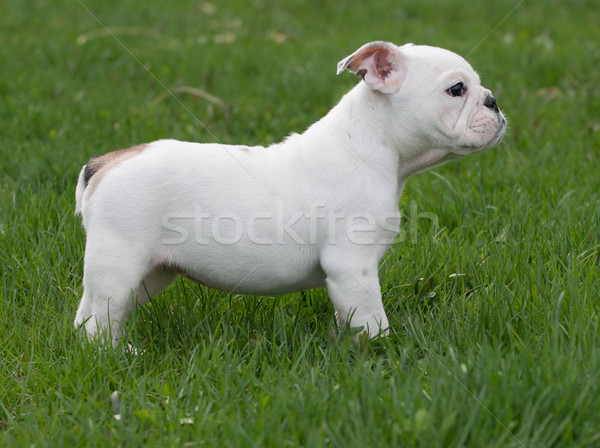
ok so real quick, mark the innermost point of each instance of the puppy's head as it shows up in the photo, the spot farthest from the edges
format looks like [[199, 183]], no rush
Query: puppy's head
[[435, 97]]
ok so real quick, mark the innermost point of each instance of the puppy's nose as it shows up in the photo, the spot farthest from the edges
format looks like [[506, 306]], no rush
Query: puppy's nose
[[490, 102]]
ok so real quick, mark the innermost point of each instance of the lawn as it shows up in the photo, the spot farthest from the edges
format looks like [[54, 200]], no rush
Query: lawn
[[494, 304]]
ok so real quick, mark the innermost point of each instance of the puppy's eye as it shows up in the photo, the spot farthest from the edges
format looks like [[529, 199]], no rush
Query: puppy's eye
[[457, 89]]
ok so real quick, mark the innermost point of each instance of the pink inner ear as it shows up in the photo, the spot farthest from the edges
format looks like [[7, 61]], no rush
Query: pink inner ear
[[382, 64], [381, 60], [379, 64]]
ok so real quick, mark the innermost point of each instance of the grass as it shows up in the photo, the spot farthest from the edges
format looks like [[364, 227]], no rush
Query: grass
[[497, 346]]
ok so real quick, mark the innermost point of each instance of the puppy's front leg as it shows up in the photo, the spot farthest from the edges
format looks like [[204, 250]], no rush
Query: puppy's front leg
[[354, 289]]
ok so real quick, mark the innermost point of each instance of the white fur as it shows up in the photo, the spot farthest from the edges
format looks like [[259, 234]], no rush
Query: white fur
[[79, 191], [316, 210]]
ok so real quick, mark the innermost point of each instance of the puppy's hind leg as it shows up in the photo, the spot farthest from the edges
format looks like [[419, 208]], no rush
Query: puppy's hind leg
[[84, 311], [111, 279], [154, 283]]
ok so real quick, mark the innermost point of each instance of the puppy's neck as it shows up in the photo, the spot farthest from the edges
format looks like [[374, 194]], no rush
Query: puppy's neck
[[356, 133], [430, 158], [365, 125]]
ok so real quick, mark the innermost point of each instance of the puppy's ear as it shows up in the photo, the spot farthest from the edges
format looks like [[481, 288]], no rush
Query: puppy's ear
[[381, 65]]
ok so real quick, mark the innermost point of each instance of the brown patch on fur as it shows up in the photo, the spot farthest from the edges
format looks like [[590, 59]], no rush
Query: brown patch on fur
[[98, 166]]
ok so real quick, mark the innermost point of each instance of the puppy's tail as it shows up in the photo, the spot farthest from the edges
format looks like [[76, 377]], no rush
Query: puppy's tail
[[80, 190]]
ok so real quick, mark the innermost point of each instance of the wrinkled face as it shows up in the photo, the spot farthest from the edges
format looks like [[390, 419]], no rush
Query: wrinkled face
[[437, 106], [451, 107]]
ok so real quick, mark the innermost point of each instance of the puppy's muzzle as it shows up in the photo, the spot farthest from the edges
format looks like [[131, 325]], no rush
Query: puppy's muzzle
[[490, 103]]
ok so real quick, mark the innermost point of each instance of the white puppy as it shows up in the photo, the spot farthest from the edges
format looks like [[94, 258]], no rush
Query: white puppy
[[319, 209]]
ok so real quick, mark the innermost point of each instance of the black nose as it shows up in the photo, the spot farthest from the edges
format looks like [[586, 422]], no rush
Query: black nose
[[490, 102]]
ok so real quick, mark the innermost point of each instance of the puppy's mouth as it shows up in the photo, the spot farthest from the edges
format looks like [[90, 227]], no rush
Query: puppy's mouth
[[474, 147], [498, 135], [502, 125]]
